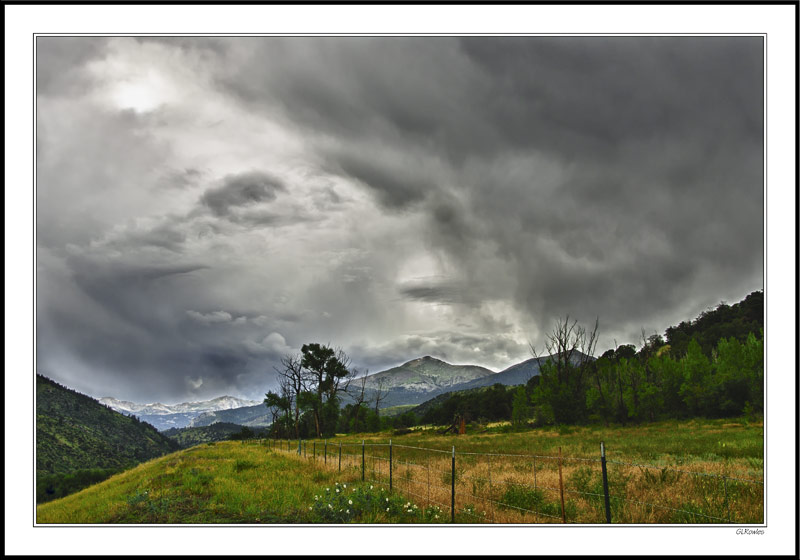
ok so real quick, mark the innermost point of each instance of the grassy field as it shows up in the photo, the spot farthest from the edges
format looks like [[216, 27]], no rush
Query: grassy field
[[510, 477]]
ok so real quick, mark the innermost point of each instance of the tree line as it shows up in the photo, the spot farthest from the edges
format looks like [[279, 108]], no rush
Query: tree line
[[712, 367]]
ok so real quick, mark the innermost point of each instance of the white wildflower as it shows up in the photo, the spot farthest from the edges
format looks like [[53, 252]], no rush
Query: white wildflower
[[350, 502]]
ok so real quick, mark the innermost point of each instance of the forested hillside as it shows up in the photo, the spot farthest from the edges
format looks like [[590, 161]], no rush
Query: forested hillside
[[220, 431], [725, 321], [75, 433]]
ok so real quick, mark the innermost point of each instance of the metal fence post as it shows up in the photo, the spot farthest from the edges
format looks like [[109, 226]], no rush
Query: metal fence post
[[561, 488], [605, 481], [390, 465], [314, 450], [326, 451], [362, 460], [340, 456], [453, 488]]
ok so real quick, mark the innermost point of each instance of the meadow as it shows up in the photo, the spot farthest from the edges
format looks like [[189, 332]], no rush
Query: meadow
[[501, 476]]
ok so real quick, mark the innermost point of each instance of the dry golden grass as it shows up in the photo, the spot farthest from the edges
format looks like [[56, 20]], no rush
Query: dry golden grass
[[514, 478]]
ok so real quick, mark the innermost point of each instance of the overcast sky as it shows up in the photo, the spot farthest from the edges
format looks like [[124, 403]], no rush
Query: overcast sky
[[207, 205]]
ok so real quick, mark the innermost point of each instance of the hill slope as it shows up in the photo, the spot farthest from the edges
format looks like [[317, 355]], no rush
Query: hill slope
[[187, 437], [74, 431], [253, 416]]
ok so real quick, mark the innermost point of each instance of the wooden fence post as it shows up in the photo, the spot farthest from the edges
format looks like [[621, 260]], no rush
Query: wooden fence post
[[561, 488], [390, 465], [362, 460], [340, 456], [605, 481]]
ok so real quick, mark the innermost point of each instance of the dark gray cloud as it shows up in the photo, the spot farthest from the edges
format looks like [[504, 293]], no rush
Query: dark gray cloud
[[424, 195], [243, 189], [617, 177]]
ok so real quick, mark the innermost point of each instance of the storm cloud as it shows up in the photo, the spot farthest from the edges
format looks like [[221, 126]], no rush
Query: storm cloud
[[208, 204]]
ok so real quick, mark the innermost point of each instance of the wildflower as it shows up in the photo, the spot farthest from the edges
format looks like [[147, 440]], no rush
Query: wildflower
[[436, 517], [370, 486], [350, 502], [344, 485], [309, 507], [347, 511], [387, 499], [337, 490]]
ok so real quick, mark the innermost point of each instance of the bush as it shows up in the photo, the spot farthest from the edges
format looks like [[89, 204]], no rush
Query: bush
[[532, 500], [366, 503], [52, 486]]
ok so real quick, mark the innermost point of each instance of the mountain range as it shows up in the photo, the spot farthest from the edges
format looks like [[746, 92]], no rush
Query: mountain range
[[413, 382], [422, 379], [181, 415]]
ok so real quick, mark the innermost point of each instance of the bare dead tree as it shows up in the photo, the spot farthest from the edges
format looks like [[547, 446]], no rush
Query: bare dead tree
[[359, 397], [569, 345], [292, 381], [380, 393]]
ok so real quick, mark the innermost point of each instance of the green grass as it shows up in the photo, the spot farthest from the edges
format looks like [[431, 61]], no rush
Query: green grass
[[396, 410], [228, 482], [235, 482]]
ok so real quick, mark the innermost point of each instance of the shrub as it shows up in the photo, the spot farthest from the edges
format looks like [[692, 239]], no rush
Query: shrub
[[366, 503], [531, 500]]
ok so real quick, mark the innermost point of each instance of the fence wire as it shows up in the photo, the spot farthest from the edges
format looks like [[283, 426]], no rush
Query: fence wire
[[502, 483]]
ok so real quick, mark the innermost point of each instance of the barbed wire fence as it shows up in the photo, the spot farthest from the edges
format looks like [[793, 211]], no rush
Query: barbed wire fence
[[530, 488]]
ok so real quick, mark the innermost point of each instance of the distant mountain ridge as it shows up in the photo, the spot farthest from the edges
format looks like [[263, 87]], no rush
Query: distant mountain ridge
[[421, 379], [219, 403], [251, 416], [411, 383], [426, 374], [181, 415]]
